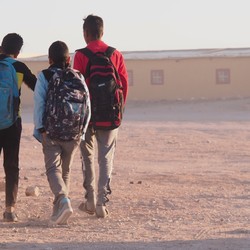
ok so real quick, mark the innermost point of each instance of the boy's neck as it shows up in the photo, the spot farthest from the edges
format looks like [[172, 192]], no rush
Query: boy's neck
[[11, 55]]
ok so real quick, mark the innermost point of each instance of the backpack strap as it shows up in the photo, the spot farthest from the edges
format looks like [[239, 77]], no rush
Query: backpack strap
[[9, 60], [48, 74], [109, 51], [88, 53]]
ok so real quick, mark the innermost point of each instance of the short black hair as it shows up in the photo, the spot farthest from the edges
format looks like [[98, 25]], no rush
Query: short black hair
[[59, 52], [12, 44], [93, 25]]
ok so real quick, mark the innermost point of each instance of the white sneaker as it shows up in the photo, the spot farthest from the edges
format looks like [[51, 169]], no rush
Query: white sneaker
[[63, 212]]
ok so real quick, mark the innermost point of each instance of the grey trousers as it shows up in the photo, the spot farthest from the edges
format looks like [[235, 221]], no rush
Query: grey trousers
[[105, 140], [58, 158]]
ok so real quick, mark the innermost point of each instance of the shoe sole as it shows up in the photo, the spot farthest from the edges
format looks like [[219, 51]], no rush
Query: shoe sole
[[7, 220], [64, 216], [83, 208]]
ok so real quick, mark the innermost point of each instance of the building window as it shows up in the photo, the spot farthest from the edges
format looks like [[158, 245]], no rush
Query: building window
[[130, 78], [222, 76], [157, 77]]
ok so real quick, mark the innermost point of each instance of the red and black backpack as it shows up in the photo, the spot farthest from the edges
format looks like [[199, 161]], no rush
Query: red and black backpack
[[107, 102]]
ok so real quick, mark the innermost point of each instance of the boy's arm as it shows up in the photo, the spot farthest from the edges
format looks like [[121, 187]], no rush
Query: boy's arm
[[40, 93], [119, 63]]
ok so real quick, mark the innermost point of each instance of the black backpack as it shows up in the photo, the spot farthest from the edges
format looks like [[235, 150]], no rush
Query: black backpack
[[66, 109], [107, 102]]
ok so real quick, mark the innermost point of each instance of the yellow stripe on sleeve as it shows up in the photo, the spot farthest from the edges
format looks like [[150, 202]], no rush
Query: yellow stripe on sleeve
[[19, 79]]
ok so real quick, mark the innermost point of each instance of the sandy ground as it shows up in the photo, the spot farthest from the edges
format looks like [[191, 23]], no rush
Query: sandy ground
[[181, 181]]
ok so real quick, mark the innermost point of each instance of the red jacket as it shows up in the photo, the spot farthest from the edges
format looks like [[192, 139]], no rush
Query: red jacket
[[80, 62]]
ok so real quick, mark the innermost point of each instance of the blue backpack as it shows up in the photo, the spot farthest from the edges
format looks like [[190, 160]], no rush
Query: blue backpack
[[9, 94]]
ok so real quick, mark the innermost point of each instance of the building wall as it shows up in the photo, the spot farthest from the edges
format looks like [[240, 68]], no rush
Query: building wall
[[190, 78], [27, 94]]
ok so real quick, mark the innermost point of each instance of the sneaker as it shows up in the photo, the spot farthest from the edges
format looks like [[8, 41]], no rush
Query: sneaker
[[9, 217], [63, 212], [101, 211], [87, 207]]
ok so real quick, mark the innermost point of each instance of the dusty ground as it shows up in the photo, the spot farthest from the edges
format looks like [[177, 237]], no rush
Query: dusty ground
[[181, 181]]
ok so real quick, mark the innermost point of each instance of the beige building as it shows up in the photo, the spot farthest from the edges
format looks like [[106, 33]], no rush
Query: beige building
[[178, 74]]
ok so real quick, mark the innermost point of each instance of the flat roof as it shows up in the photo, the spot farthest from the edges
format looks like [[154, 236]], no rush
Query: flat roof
[[180, 54], [171, 54]]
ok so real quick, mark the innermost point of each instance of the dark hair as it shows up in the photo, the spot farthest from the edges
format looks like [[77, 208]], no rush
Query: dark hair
[[12, 44], [93, 26], [58, 52]]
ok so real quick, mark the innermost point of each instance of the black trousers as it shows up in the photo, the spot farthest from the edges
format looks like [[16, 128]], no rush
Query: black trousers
[[10, 144]]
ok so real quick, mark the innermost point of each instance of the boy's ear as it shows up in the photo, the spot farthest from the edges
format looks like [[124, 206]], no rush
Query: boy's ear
[[50, 61], [68, 60], [16, 55], [86, 37]]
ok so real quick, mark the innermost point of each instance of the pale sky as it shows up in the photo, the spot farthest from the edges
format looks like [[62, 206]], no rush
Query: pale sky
[[129, 25]]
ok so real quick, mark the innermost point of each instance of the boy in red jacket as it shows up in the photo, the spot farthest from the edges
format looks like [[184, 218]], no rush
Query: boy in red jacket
[[105, 139]]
